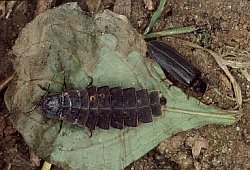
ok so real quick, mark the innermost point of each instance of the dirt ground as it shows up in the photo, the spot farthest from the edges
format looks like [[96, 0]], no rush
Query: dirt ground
[[227, 25]]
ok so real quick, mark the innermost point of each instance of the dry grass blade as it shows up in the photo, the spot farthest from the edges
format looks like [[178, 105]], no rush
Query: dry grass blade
[[223, 66], [235, 64], [4, 83], [235, 59], [236, 87], [6, 8]]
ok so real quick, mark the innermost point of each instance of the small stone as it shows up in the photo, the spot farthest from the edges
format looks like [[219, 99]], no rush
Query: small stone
[[224, 149], [236, 27], [224, 25]]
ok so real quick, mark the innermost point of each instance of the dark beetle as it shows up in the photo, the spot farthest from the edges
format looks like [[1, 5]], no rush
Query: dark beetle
[[103, 106], [178, 67]]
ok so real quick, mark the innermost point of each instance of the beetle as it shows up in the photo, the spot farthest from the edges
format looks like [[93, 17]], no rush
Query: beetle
[[176, 65]]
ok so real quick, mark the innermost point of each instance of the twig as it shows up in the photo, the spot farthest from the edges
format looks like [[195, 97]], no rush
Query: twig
[[5, 82]]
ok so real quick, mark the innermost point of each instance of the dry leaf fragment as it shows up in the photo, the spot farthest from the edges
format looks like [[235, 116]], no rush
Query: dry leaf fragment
[[43, 6], [196, 143], [34, 158], [149, 5], [123, 7]]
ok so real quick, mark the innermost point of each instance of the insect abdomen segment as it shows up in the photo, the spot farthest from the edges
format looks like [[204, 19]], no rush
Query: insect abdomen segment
[[104, 107]]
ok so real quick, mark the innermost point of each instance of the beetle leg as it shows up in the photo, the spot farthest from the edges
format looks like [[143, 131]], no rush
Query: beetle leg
[[91, 82], [61, 124]]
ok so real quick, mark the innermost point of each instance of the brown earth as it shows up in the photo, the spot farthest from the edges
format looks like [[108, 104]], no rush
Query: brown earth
[[226, 24]]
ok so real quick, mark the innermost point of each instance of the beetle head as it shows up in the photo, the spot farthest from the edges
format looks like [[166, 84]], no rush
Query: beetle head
[[51, 105], [200, 86]]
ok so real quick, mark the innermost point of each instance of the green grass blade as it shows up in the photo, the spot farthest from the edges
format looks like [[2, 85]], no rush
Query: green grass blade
[[172, 31], [155, 16]]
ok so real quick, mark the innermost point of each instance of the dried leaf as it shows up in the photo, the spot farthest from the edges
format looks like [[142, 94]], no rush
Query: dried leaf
[[197, 143], [149, 5]]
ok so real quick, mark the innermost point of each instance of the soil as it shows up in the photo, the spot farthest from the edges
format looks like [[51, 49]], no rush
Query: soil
[[227, 23]]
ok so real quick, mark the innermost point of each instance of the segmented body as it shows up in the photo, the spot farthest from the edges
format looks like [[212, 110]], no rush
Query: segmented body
[[104, 107]]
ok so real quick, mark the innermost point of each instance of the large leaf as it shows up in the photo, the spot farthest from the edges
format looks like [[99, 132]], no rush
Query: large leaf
[[66, 42]]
